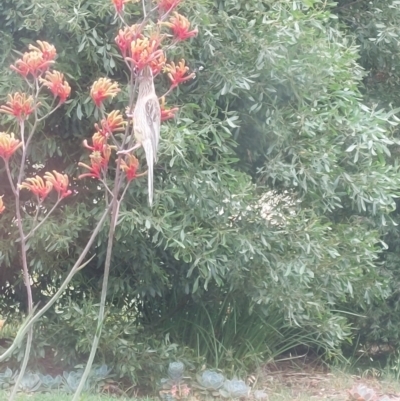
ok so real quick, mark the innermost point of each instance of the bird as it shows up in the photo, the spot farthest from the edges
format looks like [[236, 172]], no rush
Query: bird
[[146, 124]]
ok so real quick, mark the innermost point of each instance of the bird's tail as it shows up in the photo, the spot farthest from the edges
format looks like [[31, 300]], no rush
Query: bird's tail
[[148, 149]]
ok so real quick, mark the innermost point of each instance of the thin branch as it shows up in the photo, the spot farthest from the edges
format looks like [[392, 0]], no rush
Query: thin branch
[[107, 264], [9, 177], [43, 221], [25, 270], [77, 266], [168, 91], [103, 181], [50, 112]]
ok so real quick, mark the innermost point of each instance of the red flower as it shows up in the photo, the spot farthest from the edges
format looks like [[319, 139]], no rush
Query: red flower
[[158, 64], [99, 142], [2, 207], [57, 85], [176, 73], [8, 145], [18, 105], [97, 165], [99, 157], [37, 186], [112, 123], [180, 26], [102, 89], [37, 61], [130, 166], [48, 51], [166, 114], [167, 5], [144, 51], [59, 182], [126, 36], [119, 5]]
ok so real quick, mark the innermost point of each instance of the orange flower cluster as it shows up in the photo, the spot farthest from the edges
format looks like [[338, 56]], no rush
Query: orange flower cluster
[[2, 207], [19, 105], [180, 27], [140, 49], [98, 163], [146, 51], [130, 166], [37, 61], [102, 89], [8, 145], [177, 73], [60, 183], [119, 5], [167, 5], [101, 151], [113, 122], [56, 83], [37, 186], [167, 113], [126, 36], [41, 188]]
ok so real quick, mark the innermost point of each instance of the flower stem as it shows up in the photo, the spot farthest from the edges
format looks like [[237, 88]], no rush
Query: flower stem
[[107, 264], [78, 265]]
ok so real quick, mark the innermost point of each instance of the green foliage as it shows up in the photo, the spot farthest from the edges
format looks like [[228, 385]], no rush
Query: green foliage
[[6, 378], [274, 188], [234, 389], [210, 380], [37, 382], [374, 27]]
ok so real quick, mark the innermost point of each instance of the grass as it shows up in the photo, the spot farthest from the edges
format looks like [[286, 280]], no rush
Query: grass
[[309, 383], [65, 397], [283, 381]]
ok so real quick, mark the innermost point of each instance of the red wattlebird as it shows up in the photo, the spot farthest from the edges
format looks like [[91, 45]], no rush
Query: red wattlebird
[[146, 123]]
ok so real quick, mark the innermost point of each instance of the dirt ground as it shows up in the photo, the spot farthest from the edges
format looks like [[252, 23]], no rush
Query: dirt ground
[[301, 379]]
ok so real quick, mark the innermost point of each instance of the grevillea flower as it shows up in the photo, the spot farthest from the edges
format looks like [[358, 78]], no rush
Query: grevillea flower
[[126, 36], [19, 105], [97, 164], [8, 145], [48, 51], [102, 89], [99, 141], [176, 73], [37, 61], [56, 83], [180, 27], [59, 182], [130, 166], [167, 113], [158, 64], [167, 5], [119, 5], [37, 186], [31, 63], [2, 207], [114, 122], [145, 51]]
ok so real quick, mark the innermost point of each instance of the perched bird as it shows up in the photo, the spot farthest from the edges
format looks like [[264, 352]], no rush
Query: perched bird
[[146, 123]]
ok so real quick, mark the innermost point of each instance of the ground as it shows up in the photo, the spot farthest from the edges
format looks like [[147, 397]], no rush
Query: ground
[[289, 380], [301, 380]]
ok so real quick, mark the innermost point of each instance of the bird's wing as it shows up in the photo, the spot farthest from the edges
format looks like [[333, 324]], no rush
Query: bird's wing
[[153, 117]]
